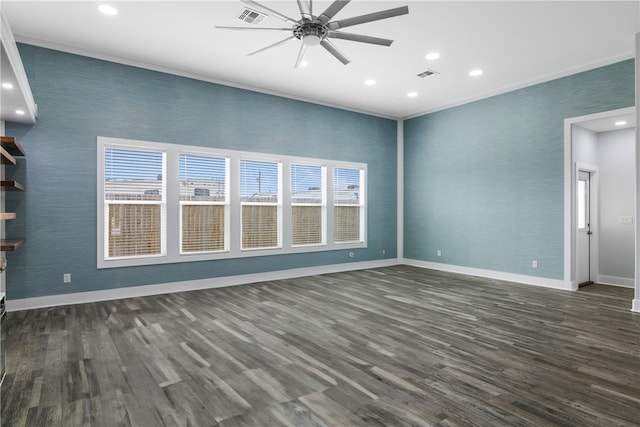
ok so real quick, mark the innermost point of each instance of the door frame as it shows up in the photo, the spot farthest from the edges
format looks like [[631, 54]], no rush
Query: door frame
[[570, 183], [594, 186]]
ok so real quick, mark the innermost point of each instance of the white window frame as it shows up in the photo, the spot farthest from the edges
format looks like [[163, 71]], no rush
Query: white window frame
[[277, 204], [226, 204], [322, 205], [361, 204], [162, 203], [172, 219]]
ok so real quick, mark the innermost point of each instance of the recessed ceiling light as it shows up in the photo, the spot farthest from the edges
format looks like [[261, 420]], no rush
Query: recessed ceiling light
[[620, 123], [369, 82], [475, 73], [304, 63], [108, 10], [412, 94], [433, 55], [7, 85], [20, 112]]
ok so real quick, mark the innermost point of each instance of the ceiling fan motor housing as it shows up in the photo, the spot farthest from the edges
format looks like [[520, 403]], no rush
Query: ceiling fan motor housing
[[311, 33]]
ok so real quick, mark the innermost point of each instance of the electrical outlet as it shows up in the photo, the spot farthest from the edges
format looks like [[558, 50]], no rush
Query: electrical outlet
[[66, 278], [384, 252], [534, 263], [439, 252]]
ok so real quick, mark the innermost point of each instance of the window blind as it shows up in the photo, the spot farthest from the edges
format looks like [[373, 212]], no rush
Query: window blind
[[260, 199], [216, 204], [308, 197], [347, 202], [204, 199], [134, 202]]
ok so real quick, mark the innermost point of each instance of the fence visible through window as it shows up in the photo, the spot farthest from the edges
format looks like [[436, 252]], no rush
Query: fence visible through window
[[134, 202]]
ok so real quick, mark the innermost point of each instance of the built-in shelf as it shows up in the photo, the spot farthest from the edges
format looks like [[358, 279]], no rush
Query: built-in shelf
[[10, 144], [6, 158], [10, 244], [11, 186]]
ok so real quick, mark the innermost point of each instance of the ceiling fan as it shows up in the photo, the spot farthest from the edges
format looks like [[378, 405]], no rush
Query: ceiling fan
[[313, 30]]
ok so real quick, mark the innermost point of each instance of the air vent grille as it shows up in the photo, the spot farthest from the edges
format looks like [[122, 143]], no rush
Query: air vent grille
[[428, 73], [251, 16]]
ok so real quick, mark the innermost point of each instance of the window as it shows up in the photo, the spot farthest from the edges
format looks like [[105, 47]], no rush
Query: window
[[260, 197], [348, 205], [164, 203], [583, 201], [308, 202], [204, 203], [134, 203]]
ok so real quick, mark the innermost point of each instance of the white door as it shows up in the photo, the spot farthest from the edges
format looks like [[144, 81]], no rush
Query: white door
[[583, 221]]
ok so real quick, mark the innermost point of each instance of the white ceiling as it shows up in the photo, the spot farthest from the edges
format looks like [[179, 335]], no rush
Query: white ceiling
[[612, 122], [515, 43]]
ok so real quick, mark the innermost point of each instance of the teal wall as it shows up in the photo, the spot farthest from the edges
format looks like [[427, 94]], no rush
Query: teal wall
[[484, 182], [80, 98]]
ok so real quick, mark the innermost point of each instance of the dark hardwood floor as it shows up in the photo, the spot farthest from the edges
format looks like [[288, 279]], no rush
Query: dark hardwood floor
[[397, 346]]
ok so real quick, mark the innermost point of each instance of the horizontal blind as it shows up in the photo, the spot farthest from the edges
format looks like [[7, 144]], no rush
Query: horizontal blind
[[203, 198], [260, 195], [134, 230], [133, 174], [347, 200], [307, 200], [134, 202], [203, 178]]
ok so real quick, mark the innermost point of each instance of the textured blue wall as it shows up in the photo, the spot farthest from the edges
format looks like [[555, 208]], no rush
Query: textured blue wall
[[484, 182], [80, 98]]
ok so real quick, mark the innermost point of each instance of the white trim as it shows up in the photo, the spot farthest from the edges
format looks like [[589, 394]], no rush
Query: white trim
[[594, 209], [13, 56], [145, 65], [490, 274], [171, 252], [569, 273], [636, 301], [635, 305], [549, 77], [190, 285], [400, 189], [569, 202], [624, 282], [166, 70]]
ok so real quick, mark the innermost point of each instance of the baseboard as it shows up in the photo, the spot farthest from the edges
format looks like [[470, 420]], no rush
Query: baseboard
[[190, 285], [490, 274], [615, 281]]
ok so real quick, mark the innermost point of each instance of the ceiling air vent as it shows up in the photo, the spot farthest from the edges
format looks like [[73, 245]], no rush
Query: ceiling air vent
[[251, 16], [428, 73]]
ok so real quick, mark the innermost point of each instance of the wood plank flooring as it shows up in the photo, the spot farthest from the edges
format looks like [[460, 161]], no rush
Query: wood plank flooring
[[396, 346]]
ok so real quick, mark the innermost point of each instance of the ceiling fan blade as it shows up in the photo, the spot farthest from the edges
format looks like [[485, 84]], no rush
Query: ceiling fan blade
[[331, 11], [359, 38], [334, 51], [305, 9], [223, 27], [376, 16], [303, 51], [270, 11], [271, 45]]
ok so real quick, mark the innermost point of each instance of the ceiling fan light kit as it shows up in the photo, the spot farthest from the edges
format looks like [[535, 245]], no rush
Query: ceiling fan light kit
[[314, 30]]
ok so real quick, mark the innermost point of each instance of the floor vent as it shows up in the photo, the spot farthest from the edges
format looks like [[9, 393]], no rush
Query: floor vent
[[428, 73], [251, 16]]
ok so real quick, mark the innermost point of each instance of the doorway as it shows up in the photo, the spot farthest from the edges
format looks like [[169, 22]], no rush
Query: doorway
[[584, 147], [585, 260]]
